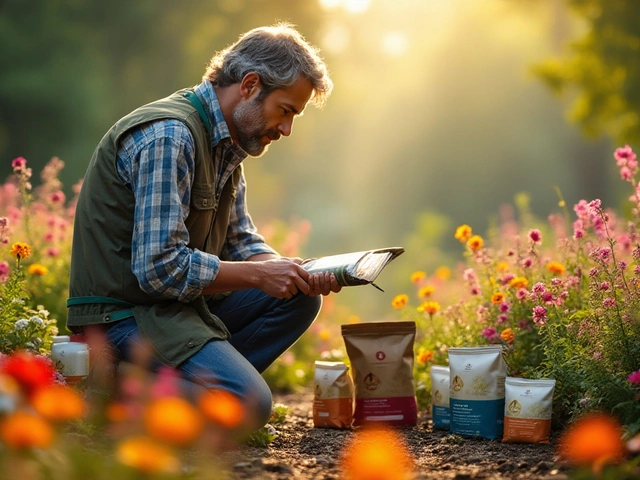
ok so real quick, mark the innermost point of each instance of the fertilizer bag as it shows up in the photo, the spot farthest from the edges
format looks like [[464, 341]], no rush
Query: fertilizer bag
[[527, 413], [333, 395], [440, 396]]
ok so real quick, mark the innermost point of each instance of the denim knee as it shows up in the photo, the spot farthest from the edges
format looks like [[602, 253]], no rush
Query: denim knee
[[306, 308], [262, 402]]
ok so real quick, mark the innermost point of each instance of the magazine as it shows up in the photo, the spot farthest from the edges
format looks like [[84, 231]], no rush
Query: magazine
[[356, 268]]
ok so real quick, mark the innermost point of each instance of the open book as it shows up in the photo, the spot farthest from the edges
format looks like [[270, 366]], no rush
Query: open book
[[357, 268]]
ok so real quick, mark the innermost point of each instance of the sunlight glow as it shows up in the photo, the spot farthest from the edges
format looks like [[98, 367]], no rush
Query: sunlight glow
[[336, 38], [330, 4], [395, 44], [356, 6]]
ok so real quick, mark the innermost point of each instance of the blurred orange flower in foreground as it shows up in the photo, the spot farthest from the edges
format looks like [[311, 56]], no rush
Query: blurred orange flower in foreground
[[173, 420], [59, 403], [147, 456], [376, 454], [26, 430], [30, 371], [222, 407], [593, 440]]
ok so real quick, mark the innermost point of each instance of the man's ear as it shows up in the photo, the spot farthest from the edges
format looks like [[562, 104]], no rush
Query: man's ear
[[250, 84]]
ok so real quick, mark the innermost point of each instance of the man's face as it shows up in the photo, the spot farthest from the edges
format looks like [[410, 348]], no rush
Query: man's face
[[259, 122]]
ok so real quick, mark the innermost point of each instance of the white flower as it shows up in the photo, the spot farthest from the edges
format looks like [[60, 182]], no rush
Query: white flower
[[21, 324], [37, 320], [54, 331]]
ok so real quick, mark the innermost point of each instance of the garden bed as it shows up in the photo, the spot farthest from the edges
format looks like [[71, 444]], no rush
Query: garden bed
[[303, 452]]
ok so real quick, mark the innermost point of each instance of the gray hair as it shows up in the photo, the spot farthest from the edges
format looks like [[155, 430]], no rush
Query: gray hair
[[278, 54]]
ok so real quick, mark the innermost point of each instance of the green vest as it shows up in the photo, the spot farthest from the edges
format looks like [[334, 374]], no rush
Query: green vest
[[102, 286]]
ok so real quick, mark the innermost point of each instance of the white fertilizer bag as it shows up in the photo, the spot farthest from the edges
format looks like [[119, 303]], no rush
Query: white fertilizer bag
[[440, 396], [477, 391]]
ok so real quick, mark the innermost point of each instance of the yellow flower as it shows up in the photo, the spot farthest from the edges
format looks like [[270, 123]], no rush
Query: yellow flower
[[463, 233], [172, 420], [497, 298], [37, 269], [59, 403], [502, 266], [425, 356], [417, 277], [20, 250], [222, 408], [519, 282], [26, 430], [443, 273], [475, 243], [556, 267], [429, 307], [400, 301], [147, 456], [426, 291], [324, 334], [507, 335], [377, 453]]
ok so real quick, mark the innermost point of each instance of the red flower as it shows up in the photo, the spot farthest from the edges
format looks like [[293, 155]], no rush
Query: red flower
[[30, 371]]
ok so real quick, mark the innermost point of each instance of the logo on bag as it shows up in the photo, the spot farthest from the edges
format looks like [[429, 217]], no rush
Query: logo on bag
[[468, 367], [380, 355]]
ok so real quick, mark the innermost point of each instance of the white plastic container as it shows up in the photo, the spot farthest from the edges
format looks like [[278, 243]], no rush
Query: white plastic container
[[70, 358]]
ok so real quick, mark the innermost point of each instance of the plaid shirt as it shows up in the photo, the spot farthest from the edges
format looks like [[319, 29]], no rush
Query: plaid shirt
[[156, 162]]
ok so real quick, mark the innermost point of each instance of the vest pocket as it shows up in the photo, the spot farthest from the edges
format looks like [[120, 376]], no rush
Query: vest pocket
[[203, 199]]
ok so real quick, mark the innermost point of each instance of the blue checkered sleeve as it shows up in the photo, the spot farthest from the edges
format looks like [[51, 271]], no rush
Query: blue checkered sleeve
[[156, 161]]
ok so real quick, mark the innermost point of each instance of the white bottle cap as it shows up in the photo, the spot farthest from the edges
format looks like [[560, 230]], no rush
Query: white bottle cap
[[61, 338]]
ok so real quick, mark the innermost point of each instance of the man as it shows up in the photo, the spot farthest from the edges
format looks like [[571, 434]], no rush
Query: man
[[164, 250]]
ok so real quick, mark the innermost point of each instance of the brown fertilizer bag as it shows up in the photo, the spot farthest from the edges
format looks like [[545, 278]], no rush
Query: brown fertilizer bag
[[381, 355]]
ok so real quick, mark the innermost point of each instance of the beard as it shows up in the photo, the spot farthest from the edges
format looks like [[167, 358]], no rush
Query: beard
[[251, 126]]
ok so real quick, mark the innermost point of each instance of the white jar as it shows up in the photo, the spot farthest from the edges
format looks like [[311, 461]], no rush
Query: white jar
[[70, 358]]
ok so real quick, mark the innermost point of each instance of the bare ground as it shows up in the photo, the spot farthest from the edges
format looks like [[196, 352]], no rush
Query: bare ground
[[303, 452]]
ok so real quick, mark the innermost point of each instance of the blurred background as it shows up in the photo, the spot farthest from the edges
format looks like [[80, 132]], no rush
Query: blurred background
[[443, 110]]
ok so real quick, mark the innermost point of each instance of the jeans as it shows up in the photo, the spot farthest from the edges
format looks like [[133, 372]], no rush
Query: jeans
[[262, 328]]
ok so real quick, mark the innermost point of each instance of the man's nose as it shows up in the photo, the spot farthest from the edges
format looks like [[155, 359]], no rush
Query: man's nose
[[285, 128]]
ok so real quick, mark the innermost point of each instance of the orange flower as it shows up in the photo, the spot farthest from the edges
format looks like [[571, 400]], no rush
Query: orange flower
[[173, 420], [519, 282], [426, 291], [400, 301], [418, 276], [497, 298], [475, 243], [147, 456], [26, 430], [443, 273], [222, 407], [429, 307], [324, 334], [502, 266], [20, 250], [376, 454], [507, 335], [556, 267], [463, 233], [37, 269], [30, 371], [425, 356], [116, 412], [593, 440], [59, 403]]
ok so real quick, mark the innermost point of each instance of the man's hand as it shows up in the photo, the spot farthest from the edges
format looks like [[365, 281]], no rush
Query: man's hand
[[283, 278], [323, 284]]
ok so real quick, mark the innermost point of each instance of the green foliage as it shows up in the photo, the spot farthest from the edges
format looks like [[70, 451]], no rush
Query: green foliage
[[279, 413], [262, 437], [601, 70]]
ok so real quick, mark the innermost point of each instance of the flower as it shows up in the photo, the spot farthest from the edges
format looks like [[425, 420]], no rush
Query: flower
[[592, 440], [59, 403], [400, 301], [429, 307], [539, 315], [463, 233], [424, 357], [475, 243], [26, 430], [172, 420], [497, 298], [376, 454], [490, 333], [556, 267], [519, 282], [222, 408], [37, 269], [426, 291], [443, 273], [417, 277], [502, 266], [535, 236], [507, 335], [20, 250], [634, 377], [624, 155], [30, 371], [147, 456], [18, 163]]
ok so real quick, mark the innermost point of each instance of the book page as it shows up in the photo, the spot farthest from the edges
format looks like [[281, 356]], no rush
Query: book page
[[332, 262], [371, 265]]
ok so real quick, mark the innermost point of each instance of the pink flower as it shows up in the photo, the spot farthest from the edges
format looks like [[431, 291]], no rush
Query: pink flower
[[527, 262], [19, 163], [53, 252], [522, 293], [4, 271], [502, 318], [597, 356], [595, 206], [57, 197], [490, 333], [535, 236], [524, 325], [507, 278], [608, 302], [538, 289], [593, 272], [625, 173], [581, 209], [623, 155], [4, 222], [604, 286], [469, 275], [539, 315], [504, 307], [634, 377]]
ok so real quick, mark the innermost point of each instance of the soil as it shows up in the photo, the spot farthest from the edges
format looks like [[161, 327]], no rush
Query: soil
[[303, 452]]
